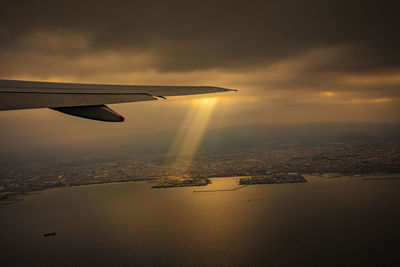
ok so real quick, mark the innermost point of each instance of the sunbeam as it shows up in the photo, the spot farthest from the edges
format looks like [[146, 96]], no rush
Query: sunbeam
[[190, 135]]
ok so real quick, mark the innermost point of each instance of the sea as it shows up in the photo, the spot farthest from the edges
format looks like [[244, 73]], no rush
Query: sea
[[346, 221]]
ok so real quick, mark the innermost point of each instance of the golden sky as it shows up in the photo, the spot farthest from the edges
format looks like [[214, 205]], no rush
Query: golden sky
[[292, 61]]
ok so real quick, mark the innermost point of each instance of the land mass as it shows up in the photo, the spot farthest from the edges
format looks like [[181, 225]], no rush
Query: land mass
[[181, 182], [260, 152], [278, 178]]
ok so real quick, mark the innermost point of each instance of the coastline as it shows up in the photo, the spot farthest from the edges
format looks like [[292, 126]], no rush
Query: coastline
[[15, 197]]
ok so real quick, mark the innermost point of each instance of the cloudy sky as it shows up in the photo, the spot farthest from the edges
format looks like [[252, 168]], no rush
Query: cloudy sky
[[292, 61]]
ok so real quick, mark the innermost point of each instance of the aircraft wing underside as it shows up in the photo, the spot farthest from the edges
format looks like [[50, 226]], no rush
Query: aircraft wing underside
[[87, 100]]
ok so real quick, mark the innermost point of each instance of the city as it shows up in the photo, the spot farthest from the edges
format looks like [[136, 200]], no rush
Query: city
[[325, 160]]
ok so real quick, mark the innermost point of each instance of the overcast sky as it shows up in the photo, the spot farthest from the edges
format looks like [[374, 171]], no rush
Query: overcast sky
[[292, 61]]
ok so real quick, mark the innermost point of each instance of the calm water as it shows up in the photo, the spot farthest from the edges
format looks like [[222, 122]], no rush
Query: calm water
[[343, 221]]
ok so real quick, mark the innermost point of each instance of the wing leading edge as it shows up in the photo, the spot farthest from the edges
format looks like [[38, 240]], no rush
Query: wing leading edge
[[74, 99]]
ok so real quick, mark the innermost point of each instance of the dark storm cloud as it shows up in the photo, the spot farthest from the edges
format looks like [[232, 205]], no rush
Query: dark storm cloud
[[188, 35]]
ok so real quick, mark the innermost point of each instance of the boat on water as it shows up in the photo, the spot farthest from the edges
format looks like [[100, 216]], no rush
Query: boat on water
[[49, 234]]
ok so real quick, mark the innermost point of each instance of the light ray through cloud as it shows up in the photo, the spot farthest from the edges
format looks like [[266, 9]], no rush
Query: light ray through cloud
[[190, 135]]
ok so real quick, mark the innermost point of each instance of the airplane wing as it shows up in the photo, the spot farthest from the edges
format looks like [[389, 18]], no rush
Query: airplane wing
[[87, 100]]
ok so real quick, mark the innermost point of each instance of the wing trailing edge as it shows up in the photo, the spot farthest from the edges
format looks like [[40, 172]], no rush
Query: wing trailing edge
[[87, 100]]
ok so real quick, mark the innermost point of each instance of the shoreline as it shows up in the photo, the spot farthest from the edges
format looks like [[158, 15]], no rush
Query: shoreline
[[382, 178], [17, 197]]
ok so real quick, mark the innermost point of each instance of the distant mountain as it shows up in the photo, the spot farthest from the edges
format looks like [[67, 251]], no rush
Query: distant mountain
[[305, 134], [218, 140]]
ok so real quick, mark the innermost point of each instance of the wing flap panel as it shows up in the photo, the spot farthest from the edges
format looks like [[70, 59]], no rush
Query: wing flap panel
[[99, 112]]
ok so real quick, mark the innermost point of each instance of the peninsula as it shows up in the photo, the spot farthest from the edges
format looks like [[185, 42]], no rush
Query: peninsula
[[276, 178]]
